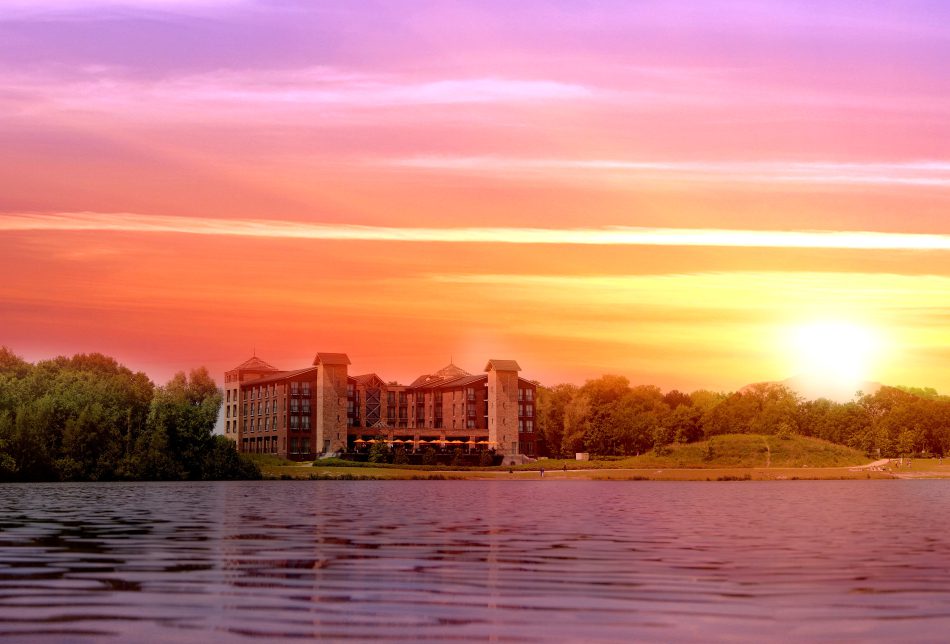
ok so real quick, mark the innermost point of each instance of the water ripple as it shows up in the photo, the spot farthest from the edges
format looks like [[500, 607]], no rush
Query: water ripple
[[473, 560]]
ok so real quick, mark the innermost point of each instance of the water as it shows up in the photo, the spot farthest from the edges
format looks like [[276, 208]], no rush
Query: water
[[475, 560]]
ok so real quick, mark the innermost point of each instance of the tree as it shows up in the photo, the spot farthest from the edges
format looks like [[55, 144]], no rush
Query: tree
[[222, 462], [91, 447], [180, 425], [576, 423], [379, 452], [7, 462], [685, 423], [401, 457], [675, 398], [551, 407]]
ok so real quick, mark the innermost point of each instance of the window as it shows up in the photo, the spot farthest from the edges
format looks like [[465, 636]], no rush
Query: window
[[294, 405], [306, 389], [520, 425], [305, 422], [294, 422], [529, 394], [529, 425], [252, 409], [529, 410], [266, 424], [293, 446], [521, 394], [228, 396], [306, 446]]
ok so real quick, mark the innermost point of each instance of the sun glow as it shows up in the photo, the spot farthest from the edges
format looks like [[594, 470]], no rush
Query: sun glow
[[834, 358]]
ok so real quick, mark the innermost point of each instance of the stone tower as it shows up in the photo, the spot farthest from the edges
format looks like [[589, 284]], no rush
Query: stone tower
[[331, 402], [503, 405]]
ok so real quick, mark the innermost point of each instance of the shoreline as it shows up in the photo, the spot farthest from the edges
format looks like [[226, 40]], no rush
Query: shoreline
[[305, 472], [881, 469]]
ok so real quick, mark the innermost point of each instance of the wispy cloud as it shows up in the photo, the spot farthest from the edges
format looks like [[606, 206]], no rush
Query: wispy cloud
[[250, 93], [21, 8], [604, 236], [910, 173]]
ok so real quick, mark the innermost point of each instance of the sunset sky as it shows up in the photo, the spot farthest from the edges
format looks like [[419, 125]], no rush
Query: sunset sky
[[678, 192]]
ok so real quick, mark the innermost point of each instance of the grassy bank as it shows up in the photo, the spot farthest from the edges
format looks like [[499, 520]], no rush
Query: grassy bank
[[729, 451], [728, 457]]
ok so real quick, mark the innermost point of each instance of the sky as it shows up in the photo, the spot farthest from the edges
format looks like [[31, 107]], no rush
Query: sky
[[677, 192]]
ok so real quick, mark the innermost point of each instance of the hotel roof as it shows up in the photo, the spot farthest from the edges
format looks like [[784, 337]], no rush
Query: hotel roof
[[255, 364], [502, 365], [275, 377], [331, 359]]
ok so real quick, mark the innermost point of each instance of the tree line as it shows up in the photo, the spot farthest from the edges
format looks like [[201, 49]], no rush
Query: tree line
[[609, 417], [88, 418]]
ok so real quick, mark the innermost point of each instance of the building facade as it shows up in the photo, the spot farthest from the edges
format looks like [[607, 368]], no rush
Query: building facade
[[321, 409]]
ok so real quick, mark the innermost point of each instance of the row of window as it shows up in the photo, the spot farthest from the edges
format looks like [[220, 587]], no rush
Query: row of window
[[525, 426], [266, 408], [300, 389], [252, 425], [297, 389], [267, 445]]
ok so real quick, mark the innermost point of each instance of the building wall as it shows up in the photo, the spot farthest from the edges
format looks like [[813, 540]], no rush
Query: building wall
[[503, 410], [331, 407]]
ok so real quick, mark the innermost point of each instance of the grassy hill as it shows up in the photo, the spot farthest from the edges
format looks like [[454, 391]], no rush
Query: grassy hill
[[731, 451]]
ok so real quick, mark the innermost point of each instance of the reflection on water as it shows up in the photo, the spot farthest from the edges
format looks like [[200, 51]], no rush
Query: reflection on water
[[505, 560]]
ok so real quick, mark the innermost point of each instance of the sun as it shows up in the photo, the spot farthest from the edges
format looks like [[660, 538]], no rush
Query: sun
[[834, 358]]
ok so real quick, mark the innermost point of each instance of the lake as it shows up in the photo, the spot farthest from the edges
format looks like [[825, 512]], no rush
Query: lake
[[474, 560]]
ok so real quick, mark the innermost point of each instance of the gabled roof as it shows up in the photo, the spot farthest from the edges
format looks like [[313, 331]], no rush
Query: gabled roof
[[502, 365], [276, 377], [440, 383], [446, 373], [464, 381], [423, 380], [451, 371], [255, 364], [367, 378], [331, 359]]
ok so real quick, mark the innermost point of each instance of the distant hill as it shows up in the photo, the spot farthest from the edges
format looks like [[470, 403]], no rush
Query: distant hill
[[810, 390], [739, 451]]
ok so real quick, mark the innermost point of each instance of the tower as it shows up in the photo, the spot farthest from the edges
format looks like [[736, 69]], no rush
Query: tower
[[503, 405], [331, 402]]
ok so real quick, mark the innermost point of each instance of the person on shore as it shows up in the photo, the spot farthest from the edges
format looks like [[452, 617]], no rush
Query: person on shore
[[542, 472]]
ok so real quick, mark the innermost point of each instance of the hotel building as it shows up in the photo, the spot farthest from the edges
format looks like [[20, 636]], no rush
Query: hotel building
[[305, 413]]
